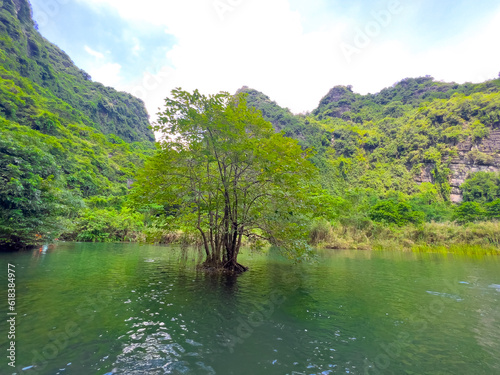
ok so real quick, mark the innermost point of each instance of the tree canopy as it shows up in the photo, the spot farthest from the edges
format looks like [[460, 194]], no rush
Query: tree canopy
[[228, 175]]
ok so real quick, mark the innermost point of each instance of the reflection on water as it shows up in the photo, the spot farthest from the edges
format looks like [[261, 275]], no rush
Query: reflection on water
[[130, 309]]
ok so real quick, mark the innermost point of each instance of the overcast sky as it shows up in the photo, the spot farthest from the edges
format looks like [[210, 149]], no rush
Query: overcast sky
[[292, 50]]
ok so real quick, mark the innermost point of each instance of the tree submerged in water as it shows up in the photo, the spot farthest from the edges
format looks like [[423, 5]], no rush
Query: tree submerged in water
[[229, 176]]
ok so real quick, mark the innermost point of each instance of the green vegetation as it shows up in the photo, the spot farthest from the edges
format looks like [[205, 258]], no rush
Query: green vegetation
[[481, 187], [426, 237], [384, 141], [372, 151], [52, 74], [29, 193], [66, 143], [70, 150]]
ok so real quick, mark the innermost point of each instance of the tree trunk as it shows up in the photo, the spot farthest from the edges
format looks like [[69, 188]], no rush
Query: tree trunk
[[232, 264], [205, 242], [230, 244]]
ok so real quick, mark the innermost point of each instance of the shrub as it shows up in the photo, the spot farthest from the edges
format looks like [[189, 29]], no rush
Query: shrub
[[469, 212], [392, 212], [320, 232], [493, 209], [106, 225], [481, 187]]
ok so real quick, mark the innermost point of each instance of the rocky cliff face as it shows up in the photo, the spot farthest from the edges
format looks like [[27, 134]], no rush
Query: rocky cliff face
[[471, 158]]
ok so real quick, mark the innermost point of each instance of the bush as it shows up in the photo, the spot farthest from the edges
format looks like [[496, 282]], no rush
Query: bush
[[481, 187], [429, 201], [469, 212], [30, 199], [106, 225], [398, 213], [493, 209], [320, 232]]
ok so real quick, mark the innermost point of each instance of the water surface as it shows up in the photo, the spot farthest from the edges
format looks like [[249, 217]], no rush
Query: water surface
[[130, 309]]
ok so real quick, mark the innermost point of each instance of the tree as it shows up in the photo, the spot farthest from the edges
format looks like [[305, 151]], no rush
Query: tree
[[29, 197], [393, 212], [229, 175], [481, 187], [468, 212], [493, 209]]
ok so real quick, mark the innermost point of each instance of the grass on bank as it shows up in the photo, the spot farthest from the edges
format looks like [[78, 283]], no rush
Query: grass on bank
[[474, 238]]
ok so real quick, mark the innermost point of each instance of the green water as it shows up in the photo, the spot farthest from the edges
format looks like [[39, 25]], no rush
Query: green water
[[129, 309]]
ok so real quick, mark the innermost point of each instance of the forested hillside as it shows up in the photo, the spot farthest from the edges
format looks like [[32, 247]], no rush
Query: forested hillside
[[67, 144], [415, 146]]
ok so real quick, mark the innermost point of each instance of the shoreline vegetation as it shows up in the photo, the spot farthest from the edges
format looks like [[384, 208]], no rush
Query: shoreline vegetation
[[473, 238], [469, 239]]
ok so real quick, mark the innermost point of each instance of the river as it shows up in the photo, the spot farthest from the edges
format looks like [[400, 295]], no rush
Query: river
[[131, 309]]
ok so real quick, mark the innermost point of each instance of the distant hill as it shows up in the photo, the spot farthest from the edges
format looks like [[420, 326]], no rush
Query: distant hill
[[418, 130], [310, 134]]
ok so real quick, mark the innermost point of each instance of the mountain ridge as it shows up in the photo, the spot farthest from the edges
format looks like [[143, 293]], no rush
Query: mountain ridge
[[445, 132]]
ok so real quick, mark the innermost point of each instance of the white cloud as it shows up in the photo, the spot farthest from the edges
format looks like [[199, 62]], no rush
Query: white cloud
[[475, 58], [104, 71], [466, 59], [258, 43], [152, 88], [262, 44], [93, 53], [136, 47], [107, 73]]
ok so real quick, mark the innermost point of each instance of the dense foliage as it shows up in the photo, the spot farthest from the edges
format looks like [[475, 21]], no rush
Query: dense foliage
[[61, 148], [373, 149], [53, 75], [383, 141]]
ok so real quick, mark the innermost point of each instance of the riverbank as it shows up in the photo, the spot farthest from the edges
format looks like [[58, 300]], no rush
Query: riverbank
[[474, 238]]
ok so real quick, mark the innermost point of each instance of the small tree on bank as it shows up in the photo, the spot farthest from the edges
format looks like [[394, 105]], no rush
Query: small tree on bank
[[229, 175]]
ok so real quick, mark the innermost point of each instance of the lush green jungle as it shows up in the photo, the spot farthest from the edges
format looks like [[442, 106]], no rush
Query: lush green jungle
[[75, 157]]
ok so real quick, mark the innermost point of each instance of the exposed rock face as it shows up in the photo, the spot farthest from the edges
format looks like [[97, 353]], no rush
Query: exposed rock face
[[425, 174], [471, 158]]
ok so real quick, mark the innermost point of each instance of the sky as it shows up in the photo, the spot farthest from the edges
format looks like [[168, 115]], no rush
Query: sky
[[294, 51]]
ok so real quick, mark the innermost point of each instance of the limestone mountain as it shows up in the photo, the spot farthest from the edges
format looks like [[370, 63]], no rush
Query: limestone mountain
[[418, 130]]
